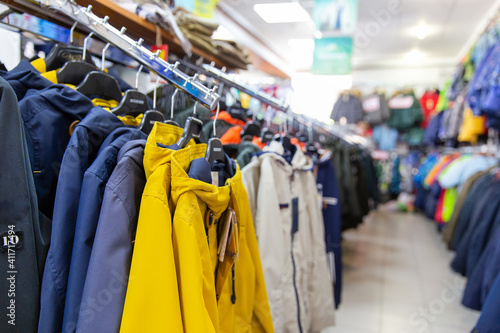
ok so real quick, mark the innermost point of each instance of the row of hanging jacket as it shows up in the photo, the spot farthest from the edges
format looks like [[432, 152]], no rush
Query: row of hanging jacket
[[460, 192], [92, 190]]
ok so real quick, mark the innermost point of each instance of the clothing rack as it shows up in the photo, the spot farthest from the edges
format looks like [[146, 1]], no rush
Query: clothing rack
[[261, 96], [101, 28]]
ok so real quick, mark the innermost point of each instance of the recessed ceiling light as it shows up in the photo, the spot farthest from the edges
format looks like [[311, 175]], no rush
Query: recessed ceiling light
[[422, 30], [282, 12], [415, 55]]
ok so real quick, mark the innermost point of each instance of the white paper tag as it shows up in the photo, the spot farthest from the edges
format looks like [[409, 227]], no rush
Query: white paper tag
[[215, 178]]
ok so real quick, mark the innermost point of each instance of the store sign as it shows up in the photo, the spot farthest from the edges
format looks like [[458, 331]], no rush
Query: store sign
[[338, 16], [332, 56]]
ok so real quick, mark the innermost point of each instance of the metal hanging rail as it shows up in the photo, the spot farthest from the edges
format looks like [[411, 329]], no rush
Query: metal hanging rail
[[261, 96], [101, 28]]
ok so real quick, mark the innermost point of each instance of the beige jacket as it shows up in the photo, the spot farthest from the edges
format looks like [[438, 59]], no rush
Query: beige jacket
[[288, 222]]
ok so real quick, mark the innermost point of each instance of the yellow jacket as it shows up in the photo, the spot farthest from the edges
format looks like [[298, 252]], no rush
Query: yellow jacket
[[196, 204], [152, 302]]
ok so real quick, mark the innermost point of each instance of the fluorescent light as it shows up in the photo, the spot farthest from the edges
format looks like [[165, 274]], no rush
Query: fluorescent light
[[422, 30], [281, 12], [415, 55]]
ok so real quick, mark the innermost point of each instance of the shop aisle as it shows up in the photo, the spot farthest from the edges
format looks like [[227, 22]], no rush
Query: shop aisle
[[397, 279]]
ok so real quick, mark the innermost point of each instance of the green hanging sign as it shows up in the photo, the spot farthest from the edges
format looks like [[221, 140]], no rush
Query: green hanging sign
[[332, 56]]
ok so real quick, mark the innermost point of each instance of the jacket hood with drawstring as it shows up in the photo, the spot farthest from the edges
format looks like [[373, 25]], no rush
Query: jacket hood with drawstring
[[238, 303]]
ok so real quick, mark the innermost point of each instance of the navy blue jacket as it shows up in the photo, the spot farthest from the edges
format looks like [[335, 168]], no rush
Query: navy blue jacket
[[23, 239], [47, 115], [79, 155], [25, 77], [91, 196], [332, 218], [468, 209], [489, 322], [109, 265], [485, 210]]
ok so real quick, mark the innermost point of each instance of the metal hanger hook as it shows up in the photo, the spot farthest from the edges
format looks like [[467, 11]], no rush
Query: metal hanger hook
[[85, 42], [72, 32], [137, 77], [154, 92], [172, 104], [215, 119], [104, 56]]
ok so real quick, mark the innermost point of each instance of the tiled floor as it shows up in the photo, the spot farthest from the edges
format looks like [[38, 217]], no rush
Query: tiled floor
[[397, 279]]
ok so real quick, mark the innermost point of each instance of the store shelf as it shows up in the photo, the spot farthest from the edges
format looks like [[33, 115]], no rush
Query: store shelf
[[138, 27]]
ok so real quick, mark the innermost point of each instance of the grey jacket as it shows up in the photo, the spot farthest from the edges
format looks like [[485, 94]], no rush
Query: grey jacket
[[349, 107]]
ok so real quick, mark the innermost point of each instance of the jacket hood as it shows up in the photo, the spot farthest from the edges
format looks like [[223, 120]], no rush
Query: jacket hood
[[58, 97], [24, 77], [300, 161], [216, 198], [162, 136], [129, 146]]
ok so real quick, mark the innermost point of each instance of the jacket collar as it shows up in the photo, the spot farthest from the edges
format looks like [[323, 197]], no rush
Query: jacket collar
[[300, 161], [162, 135], [132, 149], [216, 198]]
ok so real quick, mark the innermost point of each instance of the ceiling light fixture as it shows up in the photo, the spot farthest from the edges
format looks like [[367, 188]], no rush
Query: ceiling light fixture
[[415, 55], [281, 12], [422, 30]]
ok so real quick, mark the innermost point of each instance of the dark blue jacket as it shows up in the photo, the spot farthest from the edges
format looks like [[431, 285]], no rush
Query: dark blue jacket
[[25, 77], [332, 218], [47, 115], [89, 208], [468, 209], [432, 200], [109, 265], [489, 322], [24, 239], [79, 155], [485, 210]]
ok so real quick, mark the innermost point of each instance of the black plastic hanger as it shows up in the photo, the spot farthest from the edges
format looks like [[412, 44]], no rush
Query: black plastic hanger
[[266, 135], [192, 130], [133, 102], [98, 83], [171, 121], [151, 116], [61, 53], [74, 70], [251, 129], [215, 150]]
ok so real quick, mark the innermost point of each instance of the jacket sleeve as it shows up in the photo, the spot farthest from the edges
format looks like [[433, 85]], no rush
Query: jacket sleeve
[[319, 286]]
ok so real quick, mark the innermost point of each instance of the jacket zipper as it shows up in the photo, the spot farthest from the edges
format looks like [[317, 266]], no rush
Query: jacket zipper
[[296, 291]]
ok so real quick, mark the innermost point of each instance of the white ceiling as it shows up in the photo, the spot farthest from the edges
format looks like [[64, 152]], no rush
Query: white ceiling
[[453, 24]]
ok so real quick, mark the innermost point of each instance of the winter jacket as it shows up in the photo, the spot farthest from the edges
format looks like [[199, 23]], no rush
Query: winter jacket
[[80, 152], [489, 321], [25, 77], [385, 137], [234, 299], [26, 234], [152, 302], [89, 208], [449, 231], [332, 219], [284, 203], [109, 265], [375, 109], [405, 111], [472, 126], [347, 106], [428, 102]]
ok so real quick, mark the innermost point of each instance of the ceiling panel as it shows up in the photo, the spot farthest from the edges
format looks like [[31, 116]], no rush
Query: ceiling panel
[[452, 22]]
